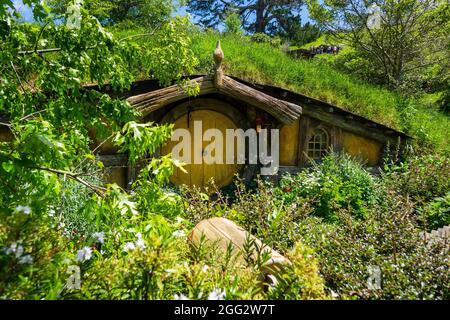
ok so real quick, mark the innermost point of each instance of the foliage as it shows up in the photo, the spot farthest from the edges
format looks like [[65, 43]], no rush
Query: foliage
[[338, 182], [437, 212], [233, 24], [302, 281], [421, 177], [50, 197], [303, 34], [148, 13], [264, 38], [402, 39], [348, 248], [387, 240], [425, 180], [257, 16]]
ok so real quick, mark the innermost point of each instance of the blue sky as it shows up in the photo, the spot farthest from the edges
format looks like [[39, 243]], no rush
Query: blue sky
[[28, 16]]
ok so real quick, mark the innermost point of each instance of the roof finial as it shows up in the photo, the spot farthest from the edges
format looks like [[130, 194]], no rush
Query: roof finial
[[218, 58], [218, 55]]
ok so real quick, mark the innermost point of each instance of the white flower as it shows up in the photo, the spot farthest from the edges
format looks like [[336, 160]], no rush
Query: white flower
[[129, 246], [99, 236], [272, 281], [334, 294], [205, 268], [84, 254], [27, 259], [24, 209], [140, 244], [170, 270], [179, 234], [51, 212], [216, 294], [16, 249], [180, 297]]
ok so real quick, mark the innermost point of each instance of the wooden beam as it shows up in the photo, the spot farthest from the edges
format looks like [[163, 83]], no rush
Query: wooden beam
[[284, 111], [348, 124], [149, 102]]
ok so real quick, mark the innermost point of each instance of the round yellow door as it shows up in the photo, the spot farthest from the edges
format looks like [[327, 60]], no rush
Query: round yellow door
[[201, 174]]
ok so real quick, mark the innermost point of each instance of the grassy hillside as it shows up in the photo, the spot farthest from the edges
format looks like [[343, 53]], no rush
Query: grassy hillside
[[262, 63]]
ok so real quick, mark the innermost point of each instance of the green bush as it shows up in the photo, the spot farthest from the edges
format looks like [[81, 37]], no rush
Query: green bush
[[437, 212], [264, 38], [425, 179], [337, 182], [422, 177], [388, 240], [300, 279]]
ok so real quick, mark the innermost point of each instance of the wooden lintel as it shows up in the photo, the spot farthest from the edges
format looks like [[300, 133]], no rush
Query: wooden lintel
[[149, 102], [284, 111]]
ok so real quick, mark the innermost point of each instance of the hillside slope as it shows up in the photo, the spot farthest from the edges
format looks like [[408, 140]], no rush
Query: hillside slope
[[261, 63]]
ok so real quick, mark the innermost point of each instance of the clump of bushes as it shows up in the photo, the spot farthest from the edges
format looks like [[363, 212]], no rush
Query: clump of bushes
[[365, 233], [264, 38], [388, 240], [347, 234], [299, 280], [422, 177], [436, 213], [338, 182], [425, 179]]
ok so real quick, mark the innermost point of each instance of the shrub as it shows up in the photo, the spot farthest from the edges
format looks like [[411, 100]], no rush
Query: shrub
[[387, 240], [426, 180], [300, 279], [233, 24], [437, 212], [422, 177], [32, 254], [264, 38], [337, 182]]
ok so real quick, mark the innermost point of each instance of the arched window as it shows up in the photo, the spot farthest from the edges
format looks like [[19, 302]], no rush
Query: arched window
[[318, 144]]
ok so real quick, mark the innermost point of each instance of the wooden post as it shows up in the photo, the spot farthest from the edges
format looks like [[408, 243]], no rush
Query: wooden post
[[218, 72]]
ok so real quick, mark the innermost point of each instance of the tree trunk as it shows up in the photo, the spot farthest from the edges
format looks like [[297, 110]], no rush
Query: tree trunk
[[260, 25]]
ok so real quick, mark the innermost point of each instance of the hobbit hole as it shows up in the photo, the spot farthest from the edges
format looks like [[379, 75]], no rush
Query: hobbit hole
[[309, 128]]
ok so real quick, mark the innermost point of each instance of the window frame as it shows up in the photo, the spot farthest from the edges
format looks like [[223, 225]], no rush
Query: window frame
[[312, 151]]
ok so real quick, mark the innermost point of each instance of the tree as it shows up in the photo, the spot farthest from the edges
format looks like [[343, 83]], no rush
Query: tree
[[46, 114], [233, 24], [257, 16], [142, 12], [303, 34], [399, 38]]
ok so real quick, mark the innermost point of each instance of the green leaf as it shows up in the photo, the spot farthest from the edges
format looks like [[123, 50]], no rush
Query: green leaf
[[8, 166]]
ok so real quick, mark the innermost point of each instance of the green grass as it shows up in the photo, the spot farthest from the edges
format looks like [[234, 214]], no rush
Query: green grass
[[261, 63]]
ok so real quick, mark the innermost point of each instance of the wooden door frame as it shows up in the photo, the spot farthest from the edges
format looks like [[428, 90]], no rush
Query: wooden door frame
[[240, 119]]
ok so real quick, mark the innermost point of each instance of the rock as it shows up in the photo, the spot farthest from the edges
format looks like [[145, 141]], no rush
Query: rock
[[221, 232]]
